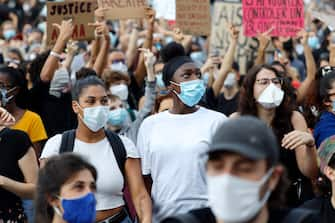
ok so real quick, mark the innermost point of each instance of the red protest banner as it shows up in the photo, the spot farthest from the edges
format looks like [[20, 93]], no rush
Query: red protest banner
[[286, 17]]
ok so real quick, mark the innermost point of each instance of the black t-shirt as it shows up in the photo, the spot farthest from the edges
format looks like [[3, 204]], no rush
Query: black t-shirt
[[135, 92], [225, 106], [14, 144], [220, 103], [325, 208], [205, 215], [56, 113]]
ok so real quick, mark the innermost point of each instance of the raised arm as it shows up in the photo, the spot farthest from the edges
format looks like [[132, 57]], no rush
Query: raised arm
[[71, 50], [311, 69], [131, 50], [263, 41], [227, 61], [51, 64], [101, 61], [140, 71], [332, 55]]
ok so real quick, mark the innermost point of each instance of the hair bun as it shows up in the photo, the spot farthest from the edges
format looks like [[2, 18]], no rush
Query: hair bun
[[171, 51]]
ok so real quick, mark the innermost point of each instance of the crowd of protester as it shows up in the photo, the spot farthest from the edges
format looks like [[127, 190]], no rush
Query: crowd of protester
[[144, 124]]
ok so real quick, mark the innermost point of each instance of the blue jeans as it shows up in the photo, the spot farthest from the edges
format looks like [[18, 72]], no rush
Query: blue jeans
[[127, 220], [28, 207]]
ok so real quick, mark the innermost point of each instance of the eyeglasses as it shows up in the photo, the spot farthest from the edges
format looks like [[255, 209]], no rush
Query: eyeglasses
[[266, 81]]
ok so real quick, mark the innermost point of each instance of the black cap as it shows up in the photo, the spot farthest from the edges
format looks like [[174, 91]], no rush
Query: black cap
[[247, 136]]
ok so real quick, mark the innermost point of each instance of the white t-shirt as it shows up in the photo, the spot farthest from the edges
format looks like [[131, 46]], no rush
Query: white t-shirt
[[100, 155], [171, 147]]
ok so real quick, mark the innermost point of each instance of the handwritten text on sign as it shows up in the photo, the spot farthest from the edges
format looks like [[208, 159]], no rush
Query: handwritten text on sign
[[81, 13], [123, 9], [286, 17], [193, 16]]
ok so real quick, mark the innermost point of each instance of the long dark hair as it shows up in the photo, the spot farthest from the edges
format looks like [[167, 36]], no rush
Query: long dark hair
[[281, 123], [52, 177], [317, 95]]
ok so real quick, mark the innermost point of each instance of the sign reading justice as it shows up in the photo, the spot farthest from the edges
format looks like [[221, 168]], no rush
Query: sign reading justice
[[81, 13], [286, 17]]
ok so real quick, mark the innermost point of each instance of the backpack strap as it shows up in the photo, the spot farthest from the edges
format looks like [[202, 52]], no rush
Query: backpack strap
[[118, 149], [299, 215], [67, 143]]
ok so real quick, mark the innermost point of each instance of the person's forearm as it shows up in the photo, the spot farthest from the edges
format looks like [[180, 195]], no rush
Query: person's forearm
[[307, 161], [101, 61], [51, 63], [140, 71], [131, 51], [143, 207], [225, 67], [311, 72], [332, 56], [94, 52], [260, 59], [23, 190]]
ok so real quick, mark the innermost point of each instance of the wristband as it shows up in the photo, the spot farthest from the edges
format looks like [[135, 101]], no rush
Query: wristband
[[54, 54]]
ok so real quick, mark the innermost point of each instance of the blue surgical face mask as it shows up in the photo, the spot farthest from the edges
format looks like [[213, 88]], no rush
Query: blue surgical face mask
[[159, 80], [168, 39], [78, 210], [117, 117], [313, 42], [191, 91], [95, 118], [198, 57], [42, 26], [8, 34]]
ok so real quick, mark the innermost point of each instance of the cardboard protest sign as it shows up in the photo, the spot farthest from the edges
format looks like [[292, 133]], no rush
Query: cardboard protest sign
[[165, 9], [285, 17], [81, 12], [123, 9], [225, 12], [193, 16]]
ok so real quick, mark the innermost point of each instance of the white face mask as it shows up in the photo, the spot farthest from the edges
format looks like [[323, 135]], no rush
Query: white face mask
[[230, 80], [234, 199], [271, 97], [95, 118], [120, 90]]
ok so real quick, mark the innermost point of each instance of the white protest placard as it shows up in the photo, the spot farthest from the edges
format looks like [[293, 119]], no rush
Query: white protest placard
[[165, 9]]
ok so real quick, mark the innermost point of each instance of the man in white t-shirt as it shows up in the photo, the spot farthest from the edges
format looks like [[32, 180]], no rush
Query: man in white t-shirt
[[172, 142]]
